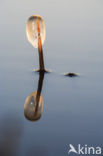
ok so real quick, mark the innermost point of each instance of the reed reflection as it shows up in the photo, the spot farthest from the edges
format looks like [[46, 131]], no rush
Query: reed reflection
[[33, 106]]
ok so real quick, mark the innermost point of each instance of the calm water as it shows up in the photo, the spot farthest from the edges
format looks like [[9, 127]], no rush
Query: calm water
[[73, 107]]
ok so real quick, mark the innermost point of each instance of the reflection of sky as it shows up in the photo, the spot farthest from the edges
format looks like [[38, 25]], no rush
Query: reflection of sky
[[11, 130], [73, 107]]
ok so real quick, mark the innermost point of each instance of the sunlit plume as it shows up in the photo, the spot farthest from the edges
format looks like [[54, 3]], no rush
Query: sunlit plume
[[35, 28]]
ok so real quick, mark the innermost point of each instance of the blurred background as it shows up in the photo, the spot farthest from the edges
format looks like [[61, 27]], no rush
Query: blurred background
[[73, 107]]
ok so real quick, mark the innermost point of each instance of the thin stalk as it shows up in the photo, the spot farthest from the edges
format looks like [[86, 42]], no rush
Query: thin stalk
[[40, 50], [40, 84]]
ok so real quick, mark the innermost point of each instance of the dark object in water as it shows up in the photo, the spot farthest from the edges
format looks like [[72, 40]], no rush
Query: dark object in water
[[71, 74]]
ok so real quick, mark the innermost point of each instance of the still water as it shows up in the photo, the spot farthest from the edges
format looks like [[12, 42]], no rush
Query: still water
[[72, 107]]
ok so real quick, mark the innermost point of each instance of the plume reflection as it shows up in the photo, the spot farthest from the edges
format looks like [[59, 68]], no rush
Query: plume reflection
[[33, 106]]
